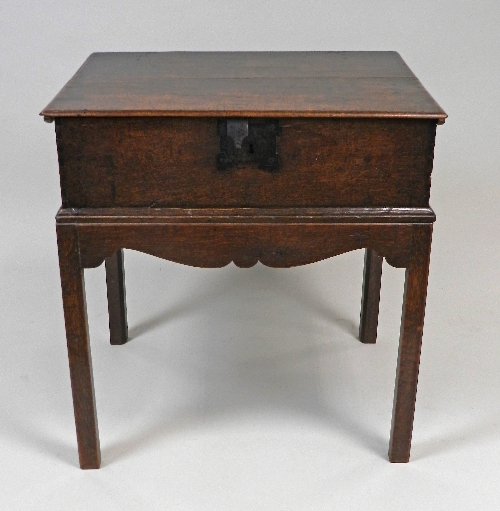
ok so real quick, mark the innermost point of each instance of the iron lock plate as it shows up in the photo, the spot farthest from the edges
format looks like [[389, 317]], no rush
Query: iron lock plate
[[248, 140]]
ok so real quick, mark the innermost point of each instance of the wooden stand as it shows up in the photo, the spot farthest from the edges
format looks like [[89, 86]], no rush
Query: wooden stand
[[87, 238]]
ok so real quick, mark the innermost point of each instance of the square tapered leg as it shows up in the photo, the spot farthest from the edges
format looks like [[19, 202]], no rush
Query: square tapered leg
[[80, 362], [412, 323]]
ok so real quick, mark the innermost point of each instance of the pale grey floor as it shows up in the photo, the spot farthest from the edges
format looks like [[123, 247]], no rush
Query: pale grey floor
[[247, 389]]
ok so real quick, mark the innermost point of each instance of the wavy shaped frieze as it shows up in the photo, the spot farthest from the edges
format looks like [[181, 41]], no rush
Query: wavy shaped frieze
[[217, 245]]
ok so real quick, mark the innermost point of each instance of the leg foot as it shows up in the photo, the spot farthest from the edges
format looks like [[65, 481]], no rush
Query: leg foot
[[410, 341], [117, 307], [80, 363], [371, 297]]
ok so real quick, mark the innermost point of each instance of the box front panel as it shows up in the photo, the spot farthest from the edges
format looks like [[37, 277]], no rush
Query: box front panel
[[172, 162]]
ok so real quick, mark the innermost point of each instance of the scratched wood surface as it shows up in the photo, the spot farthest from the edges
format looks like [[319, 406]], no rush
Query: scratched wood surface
[[171, 162], [278, 84], [137, 145]]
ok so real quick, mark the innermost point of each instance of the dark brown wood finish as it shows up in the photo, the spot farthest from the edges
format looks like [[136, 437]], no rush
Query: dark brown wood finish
[[412, 324], [323, 163], [80, 362], [117, 307], [245, 215], [371, 297], [137, 144], [249, 84], [215, 244]]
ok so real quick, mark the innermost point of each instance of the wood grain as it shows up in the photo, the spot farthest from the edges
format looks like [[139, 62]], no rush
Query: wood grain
[[412, 324], [215, 246], [278, 84], [80, 362], [119, 162], [137, 144], [245, 215]]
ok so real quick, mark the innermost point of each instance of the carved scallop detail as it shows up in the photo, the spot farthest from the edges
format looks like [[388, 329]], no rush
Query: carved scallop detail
[[217, 245]]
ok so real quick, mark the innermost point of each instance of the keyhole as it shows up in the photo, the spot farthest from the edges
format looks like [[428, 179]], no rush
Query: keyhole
[[250, 148]]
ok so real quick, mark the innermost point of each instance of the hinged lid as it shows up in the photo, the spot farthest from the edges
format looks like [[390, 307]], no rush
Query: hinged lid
[[245, 84]]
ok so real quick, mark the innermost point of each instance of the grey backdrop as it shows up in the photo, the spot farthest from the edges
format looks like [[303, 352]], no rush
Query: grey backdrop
[[247, 389]]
